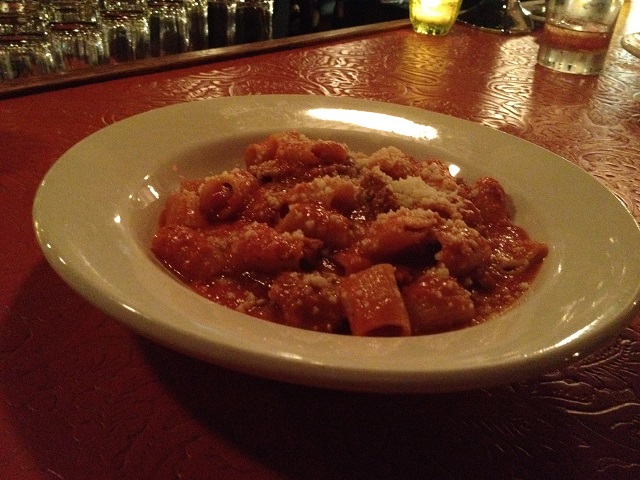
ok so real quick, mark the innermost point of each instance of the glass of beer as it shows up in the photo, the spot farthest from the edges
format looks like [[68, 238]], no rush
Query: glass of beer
[[433, 17], [577, 34]]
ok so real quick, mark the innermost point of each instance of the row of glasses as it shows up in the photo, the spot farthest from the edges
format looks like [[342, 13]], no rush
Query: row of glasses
[[38, 37], [75, 33], [25, 47], [125, 29], [48, 36]]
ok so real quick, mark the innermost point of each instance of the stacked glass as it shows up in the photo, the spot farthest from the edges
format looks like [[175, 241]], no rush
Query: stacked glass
[[75, 33], [25, 47], [221, 22], [125, 29], [253, 20], [39, 37]]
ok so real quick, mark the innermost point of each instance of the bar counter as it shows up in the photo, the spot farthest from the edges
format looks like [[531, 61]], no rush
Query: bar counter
[[83, 397]]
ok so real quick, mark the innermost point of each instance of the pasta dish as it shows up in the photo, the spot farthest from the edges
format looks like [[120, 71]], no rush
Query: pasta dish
[[313, 235]]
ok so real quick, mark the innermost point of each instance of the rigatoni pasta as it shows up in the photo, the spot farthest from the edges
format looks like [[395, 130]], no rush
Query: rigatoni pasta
[[313, 235]]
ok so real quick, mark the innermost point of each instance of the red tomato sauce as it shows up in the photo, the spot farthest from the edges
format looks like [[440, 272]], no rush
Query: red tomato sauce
[[315, 236]]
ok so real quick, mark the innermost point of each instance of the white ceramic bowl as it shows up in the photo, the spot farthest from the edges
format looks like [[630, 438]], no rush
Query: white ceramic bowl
[[97, 207]]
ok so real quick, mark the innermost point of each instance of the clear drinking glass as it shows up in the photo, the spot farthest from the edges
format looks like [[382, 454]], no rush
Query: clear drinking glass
[[76, 34], [577, 34], [25, 47], [433, 17], [197, 24], [221, 22], [253, 21], [125, 30], [168, 27]]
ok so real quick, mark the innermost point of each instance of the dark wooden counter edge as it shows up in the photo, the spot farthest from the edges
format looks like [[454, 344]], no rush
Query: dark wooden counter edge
[[182, 60]]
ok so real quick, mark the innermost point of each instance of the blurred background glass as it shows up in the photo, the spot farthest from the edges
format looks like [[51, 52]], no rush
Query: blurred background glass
[[433, 17], [197, 24], [125, 29], [220, 22], [75, 33], [25, 47], [253, 20], [168, 27]]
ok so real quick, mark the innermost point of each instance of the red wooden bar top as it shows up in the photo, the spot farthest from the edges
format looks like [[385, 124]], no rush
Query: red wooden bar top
[[82, 397]]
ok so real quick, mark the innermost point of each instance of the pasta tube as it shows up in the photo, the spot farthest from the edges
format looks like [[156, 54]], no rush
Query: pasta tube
[[373, 303]]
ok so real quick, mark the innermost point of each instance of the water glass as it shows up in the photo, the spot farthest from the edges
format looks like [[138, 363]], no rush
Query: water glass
[[26, 56], [168, 27], [576, 35], [125, 30], [221, 22], [197, 24], [75, 33], [253, 21], [433, 17], [25, 49]]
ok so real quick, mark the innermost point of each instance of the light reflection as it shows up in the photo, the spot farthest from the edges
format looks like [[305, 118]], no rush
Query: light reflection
[[568, 315], [573, 336], [376, 121], [131, 309], [117, 219], [289, 356], [153, 191], [148, 195], [454, 169]]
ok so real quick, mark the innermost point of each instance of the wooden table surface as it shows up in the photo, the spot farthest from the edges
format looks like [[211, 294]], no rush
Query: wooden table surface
[[82, 397]]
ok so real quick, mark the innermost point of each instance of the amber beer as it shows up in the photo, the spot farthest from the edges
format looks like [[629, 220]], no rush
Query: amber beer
[[588, 38], [433, 17]]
